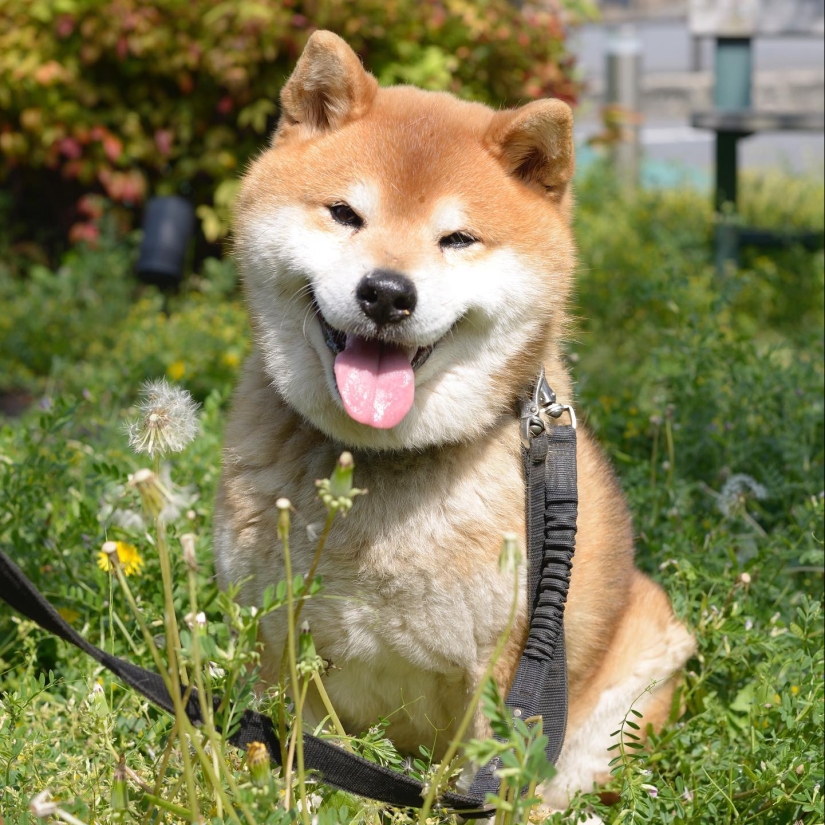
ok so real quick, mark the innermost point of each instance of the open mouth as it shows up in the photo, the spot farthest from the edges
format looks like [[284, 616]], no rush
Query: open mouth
[[375, 378], [336, 342]]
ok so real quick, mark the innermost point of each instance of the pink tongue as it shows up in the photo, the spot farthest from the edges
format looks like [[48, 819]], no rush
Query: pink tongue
[[375, 381]]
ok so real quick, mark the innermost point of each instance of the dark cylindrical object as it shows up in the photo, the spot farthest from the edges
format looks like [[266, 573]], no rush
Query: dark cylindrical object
[[168, 223]]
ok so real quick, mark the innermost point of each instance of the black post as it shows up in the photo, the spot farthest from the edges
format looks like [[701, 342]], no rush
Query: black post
[[726, 168], [168, 223]]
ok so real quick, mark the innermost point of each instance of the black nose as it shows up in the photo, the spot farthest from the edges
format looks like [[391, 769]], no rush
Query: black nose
[[386, 297]]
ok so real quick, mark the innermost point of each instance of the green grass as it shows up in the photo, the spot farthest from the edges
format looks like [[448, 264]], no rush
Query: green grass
[[691, 380]]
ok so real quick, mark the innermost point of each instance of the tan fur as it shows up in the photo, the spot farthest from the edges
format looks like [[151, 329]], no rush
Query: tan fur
[[413, 601]]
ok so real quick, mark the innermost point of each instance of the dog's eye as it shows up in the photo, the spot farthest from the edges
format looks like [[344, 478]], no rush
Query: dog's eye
[[346, 215], [457, 240]]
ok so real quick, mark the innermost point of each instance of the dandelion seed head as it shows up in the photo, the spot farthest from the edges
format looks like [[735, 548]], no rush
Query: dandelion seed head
[[168, 419], [735, 492], [42, 806]]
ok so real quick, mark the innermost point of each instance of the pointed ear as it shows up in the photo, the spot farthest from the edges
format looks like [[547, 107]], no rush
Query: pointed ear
[[328, 88], [535, 144]]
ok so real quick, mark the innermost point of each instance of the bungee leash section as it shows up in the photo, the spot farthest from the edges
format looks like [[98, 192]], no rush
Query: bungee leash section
[[540, 684]]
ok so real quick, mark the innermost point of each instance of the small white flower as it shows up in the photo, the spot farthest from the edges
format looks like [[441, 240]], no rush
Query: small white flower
[[195, 620], [168, 422], [652, 790], [313, 801], [42, 806]]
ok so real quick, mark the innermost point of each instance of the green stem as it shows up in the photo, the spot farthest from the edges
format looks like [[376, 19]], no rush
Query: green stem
[[671, 452], [314, 566], [169, 806], [169, 677], [297, 725], [219, 766], [336, 722], [67, 817], [309, 577], [177, 674]]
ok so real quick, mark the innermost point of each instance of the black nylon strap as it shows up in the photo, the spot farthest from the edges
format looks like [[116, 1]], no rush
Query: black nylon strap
[[551, 500], [539, 688]]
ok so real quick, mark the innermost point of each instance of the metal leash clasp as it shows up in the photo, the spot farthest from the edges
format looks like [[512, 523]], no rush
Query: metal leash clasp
[[543, 401]]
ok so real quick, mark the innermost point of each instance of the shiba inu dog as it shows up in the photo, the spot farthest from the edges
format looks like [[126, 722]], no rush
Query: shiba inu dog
[[407, 260]]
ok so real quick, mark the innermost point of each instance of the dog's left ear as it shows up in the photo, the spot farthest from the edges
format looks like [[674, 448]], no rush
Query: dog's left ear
[[327, 88], [535, 144]]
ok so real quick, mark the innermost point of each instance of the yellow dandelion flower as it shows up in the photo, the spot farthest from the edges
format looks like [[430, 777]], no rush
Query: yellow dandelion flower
[[127, 554], [176, 370], [794, 689], [231, 359]]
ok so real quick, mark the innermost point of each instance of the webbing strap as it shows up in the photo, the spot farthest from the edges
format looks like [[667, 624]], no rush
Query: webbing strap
[[540, 684], [539, 688]]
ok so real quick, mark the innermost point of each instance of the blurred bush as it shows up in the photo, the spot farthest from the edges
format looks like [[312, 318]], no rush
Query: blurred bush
[[134, 97]]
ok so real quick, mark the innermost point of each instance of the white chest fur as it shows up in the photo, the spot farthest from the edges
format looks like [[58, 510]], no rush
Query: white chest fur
[[413, 601]]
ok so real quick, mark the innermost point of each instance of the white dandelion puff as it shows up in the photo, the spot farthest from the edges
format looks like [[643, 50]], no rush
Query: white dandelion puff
[[42, 806], [735, 492], [168, 420]]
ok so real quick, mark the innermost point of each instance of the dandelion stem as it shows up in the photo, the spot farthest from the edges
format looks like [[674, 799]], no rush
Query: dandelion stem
[[170, 682], [169, 806], [671, 451], [314, 566], [176, 673], [299, 691], [68, 818], [309, 577], [333, 716], [219, 766], [164, 764]]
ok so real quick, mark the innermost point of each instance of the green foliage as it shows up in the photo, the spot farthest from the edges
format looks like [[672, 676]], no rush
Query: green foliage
[[132, 98], [706, 390], [90, 315]]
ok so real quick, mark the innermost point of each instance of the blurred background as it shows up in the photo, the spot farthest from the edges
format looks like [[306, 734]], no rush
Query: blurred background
[[676, 41], [107, 103]]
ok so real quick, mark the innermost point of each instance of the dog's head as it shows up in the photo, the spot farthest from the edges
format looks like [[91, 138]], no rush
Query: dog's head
[[406, 255]]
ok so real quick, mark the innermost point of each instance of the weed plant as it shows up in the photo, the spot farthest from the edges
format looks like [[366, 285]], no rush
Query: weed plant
[[705, 389]]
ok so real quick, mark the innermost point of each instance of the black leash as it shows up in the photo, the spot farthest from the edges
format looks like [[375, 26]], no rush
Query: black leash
[[540, 685]]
